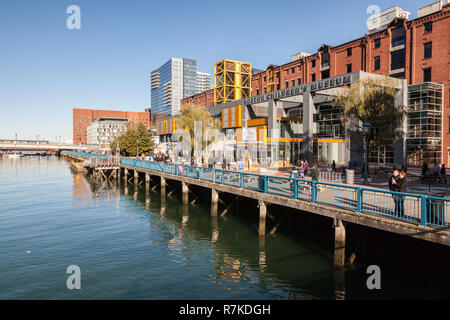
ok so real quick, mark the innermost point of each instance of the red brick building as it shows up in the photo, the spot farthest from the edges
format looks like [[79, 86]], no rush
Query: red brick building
[[416, 50], [82, 118]]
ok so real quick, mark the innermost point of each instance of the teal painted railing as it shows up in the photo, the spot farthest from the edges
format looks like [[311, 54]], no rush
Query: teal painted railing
[[423, 209]]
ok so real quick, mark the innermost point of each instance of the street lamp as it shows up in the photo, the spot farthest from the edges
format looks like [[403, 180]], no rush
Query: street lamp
[[137, 148], [366, 128]]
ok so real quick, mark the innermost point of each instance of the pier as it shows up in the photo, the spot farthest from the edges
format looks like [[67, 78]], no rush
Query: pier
[[424, 217]]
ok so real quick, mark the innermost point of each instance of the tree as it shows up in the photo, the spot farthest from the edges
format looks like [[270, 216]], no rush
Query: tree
[[136, 136], [371, 101], [189, 114]]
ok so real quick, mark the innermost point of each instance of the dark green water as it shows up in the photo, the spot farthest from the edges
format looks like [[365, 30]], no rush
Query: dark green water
[[130, 248]]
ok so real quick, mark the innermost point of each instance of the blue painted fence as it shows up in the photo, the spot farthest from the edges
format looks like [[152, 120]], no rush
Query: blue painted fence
[[423, 209]]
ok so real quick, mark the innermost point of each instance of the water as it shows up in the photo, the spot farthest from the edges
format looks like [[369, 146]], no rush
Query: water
[[128, 248]]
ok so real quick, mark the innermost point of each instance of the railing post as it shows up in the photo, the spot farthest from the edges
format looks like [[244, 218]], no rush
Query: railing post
[[266, 184], [242, 180], [423, 210], [176, 169], [214, 175], [187, 171], [223, 176], [359, 200], [295, 188], [313, 192], [200, 173]]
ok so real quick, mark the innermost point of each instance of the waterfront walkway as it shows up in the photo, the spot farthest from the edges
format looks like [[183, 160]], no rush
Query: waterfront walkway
[[424, 217]]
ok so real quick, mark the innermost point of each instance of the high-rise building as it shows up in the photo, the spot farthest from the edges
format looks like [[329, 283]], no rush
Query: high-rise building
[[176, 79], [203, 82]]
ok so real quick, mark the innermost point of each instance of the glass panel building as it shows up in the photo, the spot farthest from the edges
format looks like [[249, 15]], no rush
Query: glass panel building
[[173, 81], [424, 138]]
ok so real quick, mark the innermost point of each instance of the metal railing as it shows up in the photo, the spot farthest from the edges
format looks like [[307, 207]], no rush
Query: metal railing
[[423, 209]]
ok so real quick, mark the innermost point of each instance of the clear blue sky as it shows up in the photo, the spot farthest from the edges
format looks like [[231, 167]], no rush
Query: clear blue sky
[[47, 69]]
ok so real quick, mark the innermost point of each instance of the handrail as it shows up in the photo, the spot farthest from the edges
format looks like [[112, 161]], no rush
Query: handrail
[[424, 209]]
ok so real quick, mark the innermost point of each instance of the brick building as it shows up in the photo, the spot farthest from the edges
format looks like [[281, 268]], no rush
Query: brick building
[[82, 118], [417, 50]]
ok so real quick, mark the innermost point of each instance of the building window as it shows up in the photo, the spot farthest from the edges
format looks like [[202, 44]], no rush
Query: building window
[[287, 84], [299, 81], [349, 68], [265, 78], [278, 75], [349, 52], [278, 86], [293, 82], [427, 50], [293, 70], [376, 63], [313, 63], [428, 27], [398, 59], [427, 75], [398, 37], [325, 59], [326, 74], [257, 92], [377, 43], [313, 77]]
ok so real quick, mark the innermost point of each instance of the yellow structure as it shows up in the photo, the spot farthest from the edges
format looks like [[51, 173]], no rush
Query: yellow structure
[[232, 81]]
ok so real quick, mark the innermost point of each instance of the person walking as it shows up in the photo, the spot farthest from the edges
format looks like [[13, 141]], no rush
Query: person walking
[[443, 179], [306, 167], [301, 171], [333, 166], [224, 163], [436, 171], [315, 174]]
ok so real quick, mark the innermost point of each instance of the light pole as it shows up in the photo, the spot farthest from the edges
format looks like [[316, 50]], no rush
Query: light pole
[[366, 127], [137, 148]]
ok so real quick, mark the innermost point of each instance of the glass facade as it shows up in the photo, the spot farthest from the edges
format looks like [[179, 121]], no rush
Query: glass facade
[[189, 77], [424, 139]]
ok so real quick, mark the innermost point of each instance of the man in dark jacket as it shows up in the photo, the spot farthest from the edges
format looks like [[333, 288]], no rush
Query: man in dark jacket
[[399, 199]]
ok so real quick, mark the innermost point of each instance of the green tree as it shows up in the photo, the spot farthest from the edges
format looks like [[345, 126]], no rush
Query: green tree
[[189, 114], [371, 101], [135, 136]]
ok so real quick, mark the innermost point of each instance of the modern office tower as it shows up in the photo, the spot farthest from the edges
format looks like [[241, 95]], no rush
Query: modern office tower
[[103, 131], [232, 81], [203, 82], [173, 81]]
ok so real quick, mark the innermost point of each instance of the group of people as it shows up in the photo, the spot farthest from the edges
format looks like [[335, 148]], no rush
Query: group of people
[[435, 173], [302, 170], [160, 156]]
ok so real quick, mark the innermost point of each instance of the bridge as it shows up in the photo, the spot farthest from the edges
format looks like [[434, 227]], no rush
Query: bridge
[[419, 216], [33, 145]]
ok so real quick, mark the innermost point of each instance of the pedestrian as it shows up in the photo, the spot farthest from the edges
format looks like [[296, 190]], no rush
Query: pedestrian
[[306, 167], [399, 199], [333, 166], [224, 163], [315, 174], [443, 173], [301, 171], [436, 171], [393, 179]]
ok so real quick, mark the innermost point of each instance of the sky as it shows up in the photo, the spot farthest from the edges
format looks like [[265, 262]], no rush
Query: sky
[[46, 69]]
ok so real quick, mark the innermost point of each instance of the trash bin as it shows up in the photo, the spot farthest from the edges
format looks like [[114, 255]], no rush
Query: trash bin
[[350, 173]]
